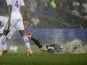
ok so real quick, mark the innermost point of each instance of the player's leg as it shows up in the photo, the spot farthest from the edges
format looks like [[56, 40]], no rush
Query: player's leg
[[49, 48], [12, 28], [25, 38], [11, 33], [6, 35], [4, 47], [45, 48], [4, 42], [38, 43], [1, 52], [3, 39]]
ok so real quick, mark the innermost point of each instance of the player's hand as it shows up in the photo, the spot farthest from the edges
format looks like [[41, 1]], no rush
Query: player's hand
[[26, 24]]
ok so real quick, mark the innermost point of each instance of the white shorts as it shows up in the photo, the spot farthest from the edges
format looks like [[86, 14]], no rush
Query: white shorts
[[6, 27], [16, 22]]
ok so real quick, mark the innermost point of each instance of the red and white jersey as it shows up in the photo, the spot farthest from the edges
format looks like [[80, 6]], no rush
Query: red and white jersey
[[3, 21], [16, 4]]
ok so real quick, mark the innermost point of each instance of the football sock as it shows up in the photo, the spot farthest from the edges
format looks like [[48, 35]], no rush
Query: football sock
[[0, 47], [37, 42], [2, 39], [4, 45], [27, 43]]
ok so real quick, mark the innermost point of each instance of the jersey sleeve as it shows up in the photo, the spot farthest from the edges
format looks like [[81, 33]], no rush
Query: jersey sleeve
[[9, 2], [22, 3]]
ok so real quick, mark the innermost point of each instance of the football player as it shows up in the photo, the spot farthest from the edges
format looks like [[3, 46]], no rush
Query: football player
[[38, 43], [51, 48], [3, 24], [15, 20]]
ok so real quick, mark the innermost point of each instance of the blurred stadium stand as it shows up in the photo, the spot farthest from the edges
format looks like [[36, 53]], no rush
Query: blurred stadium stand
[[60, 15], [64, 15], [3, 7]]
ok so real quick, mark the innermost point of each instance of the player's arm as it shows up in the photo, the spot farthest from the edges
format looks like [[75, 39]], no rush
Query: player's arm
[[9, 3], [25, 16], [9, 14], [24, 13]]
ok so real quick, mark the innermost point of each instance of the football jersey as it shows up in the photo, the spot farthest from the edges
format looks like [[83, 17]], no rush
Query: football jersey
[[16, 4], [3, 21]]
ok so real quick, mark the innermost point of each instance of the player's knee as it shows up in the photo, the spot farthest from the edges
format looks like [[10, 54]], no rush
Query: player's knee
[[22, 32]]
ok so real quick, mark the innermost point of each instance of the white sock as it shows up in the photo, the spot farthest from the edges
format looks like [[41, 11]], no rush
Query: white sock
[[27, 43], [2, 39], [0, 47], [4, 45]]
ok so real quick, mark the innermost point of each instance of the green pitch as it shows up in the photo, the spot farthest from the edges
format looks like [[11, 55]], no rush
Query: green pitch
[[41, 58]]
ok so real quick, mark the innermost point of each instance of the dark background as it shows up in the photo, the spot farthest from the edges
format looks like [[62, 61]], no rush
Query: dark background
[[53, 25]]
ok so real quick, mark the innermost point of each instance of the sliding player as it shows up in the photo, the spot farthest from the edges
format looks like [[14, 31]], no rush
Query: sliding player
[[38, 43]]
